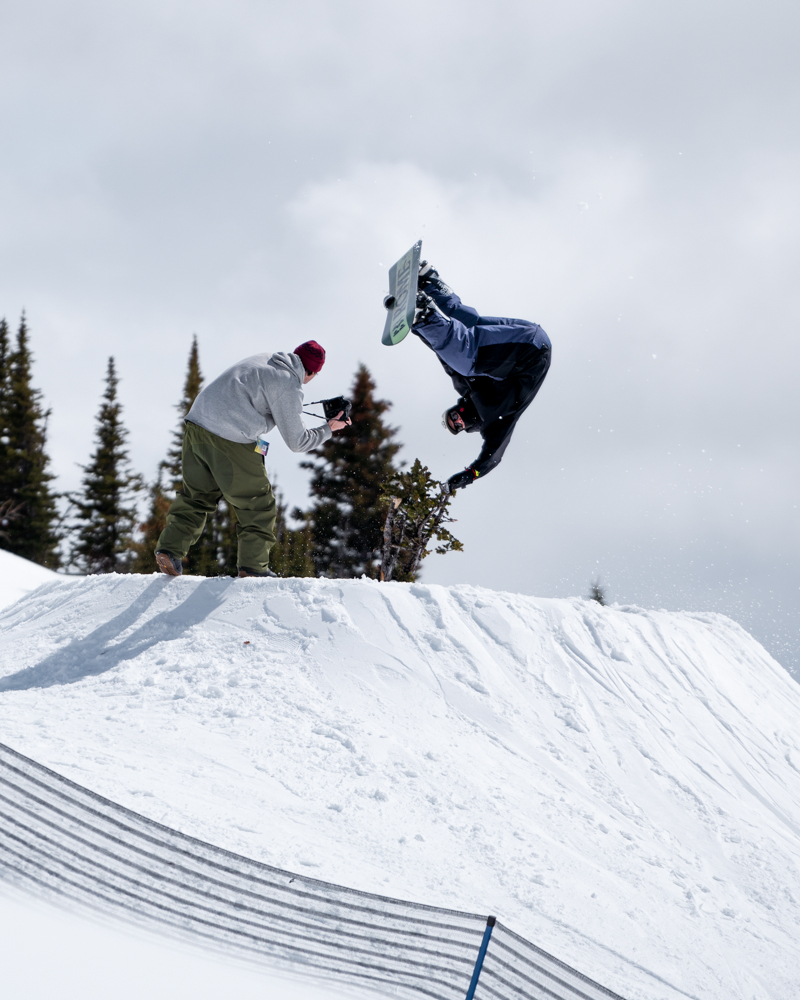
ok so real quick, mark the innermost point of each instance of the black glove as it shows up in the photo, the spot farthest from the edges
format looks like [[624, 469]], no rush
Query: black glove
[[462, 479]]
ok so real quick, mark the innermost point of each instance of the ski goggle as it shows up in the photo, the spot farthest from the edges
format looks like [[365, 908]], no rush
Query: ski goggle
[[461, 417]]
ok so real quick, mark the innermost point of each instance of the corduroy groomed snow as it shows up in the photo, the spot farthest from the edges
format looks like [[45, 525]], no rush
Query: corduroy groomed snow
[[312, 356]]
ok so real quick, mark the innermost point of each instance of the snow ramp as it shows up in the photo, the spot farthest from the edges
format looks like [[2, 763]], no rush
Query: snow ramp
[[620, 786]]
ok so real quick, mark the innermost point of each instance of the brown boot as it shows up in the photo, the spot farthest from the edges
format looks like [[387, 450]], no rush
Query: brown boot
[[168, 563]]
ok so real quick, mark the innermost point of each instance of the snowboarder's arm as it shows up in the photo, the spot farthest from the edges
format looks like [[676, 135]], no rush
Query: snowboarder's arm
[[495, 441], [460, 480]]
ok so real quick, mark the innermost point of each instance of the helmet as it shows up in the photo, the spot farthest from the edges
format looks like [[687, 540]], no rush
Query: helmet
[[461, 417], [449, 420]]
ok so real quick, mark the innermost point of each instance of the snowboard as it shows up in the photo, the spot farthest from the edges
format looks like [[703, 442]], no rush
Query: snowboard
[[402, 298]]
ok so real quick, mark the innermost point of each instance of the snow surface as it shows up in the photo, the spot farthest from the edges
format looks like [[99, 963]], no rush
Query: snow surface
[[621, 786], [18, 577], [48, 952]]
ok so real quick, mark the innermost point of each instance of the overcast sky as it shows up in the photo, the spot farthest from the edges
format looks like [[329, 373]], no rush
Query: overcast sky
[[624, 173]]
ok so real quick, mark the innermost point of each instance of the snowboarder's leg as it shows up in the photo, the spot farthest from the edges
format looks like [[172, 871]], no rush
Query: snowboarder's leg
[[453, 342], [452, 306], [508, 321], [444, 296], [197, 498]]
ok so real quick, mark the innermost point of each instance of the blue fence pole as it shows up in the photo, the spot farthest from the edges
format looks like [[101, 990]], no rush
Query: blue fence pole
[[490, 922]]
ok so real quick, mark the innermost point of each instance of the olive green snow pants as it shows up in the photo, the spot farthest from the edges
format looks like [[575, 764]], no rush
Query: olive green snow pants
[[214, 468]]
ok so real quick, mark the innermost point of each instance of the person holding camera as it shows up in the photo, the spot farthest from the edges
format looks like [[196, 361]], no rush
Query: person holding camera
[[497, 366], [224, 449]]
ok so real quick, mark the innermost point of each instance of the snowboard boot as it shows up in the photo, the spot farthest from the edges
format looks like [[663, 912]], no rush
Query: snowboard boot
[[429, 279], [244, 571], [168, 563], [425, 308]]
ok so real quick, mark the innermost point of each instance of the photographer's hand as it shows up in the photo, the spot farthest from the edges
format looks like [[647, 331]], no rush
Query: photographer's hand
[[336, 424]]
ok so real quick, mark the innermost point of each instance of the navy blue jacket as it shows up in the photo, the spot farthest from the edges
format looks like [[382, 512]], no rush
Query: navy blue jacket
[[498, 363]]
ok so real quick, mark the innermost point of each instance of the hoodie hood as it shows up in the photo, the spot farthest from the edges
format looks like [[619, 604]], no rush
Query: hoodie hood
[[290, 363]]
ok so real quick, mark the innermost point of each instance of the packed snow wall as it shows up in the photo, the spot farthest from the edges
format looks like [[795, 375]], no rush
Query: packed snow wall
[[620, 786]]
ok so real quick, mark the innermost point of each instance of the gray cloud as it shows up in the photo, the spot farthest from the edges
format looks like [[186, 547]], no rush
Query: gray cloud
[[625, 174]]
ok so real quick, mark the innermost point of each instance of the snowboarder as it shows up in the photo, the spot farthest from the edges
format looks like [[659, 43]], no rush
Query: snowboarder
[[497, 366], [230, 416]]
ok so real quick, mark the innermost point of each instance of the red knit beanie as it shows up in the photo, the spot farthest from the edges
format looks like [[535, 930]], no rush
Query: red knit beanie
[[312, 356]]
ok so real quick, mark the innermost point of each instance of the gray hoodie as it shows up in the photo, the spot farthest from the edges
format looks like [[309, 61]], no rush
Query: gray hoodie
[[255, 395]]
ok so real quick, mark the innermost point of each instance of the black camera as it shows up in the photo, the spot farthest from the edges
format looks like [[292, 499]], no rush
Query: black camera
[[333, 407]]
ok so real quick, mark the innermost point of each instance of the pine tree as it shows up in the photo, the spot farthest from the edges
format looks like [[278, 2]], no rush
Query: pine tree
[[5, 376], [346, 519], [8, 509], [203, 558], [597, 592], [27, 504], [416, 511], [291, 554], [106, 513], [171, 467], [222, 542], [216, 552]]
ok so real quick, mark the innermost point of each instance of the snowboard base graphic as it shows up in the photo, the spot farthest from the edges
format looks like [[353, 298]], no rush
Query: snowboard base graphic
[[402, 298]]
